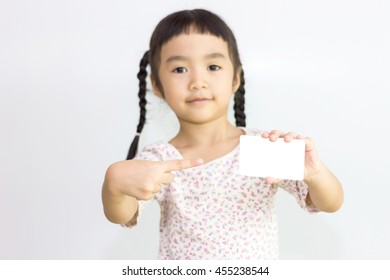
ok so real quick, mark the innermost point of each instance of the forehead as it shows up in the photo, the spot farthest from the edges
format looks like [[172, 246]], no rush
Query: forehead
[[193, 45]]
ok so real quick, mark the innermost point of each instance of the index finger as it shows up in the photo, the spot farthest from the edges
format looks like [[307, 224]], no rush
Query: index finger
[[173, 165]]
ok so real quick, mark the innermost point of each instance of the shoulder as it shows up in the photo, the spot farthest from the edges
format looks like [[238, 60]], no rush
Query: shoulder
[[253, 131], [160, 150]]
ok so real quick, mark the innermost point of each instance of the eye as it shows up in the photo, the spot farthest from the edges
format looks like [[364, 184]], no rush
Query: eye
[[213, 67], [180, 70]]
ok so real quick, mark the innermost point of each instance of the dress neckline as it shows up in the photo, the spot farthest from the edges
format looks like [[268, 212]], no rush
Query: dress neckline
[[229, 153]]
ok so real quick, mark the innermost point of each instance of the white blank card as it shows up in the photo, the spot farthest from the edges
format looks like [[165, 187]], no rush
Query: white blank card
[[263, 158]]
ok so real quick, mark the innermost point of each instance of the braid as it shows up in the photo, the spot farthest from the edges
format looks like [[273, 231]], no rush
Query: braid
[[239, 103], [142, 74]]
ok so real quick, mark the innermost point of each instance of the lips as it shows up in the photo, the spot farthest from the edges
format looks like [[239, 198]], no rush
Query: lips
[[198, 100]]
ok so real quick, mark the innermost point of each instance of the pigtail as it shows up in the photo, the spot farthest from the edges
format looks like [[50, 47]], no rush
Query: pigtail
[[142, 75], [239, 103]]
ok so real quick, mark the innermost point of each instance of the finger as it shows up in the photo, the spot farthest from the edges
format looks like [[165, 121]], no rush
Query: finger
[[309, 144], [290, 136], [173, 165], [156, 189], [148, 193], [275, 135], [271, 180], [265, 134], [167, 178], [145, 197]]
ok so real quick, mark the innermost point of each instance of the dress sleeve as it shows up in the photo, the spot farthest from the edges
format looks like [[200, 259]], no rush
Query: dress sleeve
[[299, 190], [150, 152], [141, 205]]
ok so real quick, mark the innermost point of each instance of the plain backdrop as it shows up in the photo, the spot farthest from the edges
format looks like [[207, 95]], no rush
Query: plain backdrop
[[68, 109]]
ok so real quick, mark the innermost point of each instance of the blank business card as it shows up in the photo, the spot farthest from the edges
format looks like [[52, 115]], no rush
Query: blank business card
[[263, 158]]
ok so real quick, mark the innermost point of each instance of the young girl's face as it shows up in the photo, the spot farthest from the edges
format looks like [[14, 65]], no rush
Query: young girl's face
[[197, 77]]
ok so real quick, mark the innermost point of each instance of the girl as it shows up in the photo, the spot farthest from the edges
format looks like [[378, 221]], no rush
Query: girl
[[208, 211]]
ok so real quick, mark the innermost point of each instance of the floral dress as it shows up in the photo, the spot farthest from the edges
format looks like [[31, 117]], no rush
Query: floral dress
[[212, 212]]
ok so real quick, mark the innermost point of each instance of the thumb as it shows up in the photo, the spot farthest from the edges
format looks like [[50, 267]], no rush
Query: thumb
[[271, 180], [173, 165]]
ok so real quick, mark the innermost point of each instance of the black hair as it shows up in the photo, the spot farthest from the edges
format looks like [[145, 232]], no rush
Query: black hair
[[142, 74], [186, 21]]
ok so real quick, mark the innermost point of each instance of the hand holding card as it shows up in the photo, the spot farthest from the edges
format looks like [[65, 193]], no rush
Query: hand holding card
[[263, 158]]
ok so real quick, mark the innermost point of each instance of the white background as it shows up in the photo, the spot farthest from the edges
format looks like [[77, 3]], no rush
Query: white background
[[68, 108]]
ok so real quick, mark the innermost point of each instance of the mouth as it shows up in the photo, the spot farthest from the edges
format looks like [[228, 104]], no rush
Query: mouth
[[198, 100]]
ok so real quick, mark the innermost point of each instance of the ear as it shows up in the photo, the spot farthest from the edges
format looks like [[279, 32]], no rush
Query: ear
[[237, 80], [156, 89]]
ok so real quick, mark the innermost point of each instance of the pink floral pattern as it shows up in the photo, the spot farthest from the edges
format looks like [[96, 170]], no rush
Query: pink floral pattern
[[212, 212]]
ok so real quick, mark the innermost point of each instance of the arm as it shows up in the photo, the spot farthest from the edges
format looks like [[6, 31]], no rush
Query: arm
[[325, 190], [118, 207], [128, 181]]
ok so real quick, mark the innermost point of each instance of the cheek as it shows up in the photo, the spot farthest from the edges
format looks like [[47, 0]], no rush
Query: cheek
[[227, 85], [175, 88]]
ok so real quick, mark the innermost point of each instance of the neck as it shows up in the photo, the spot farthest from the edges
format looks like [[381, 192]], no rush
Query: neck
[[209, 133]]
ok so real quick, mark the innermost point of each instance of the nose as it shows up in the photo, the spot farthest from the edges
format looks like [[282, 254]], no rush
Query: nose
[[198, 81]]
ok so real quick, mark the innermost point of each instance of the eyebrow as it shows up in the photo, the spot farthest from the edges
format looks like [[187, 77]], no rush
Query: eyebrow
[[184, 58]]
